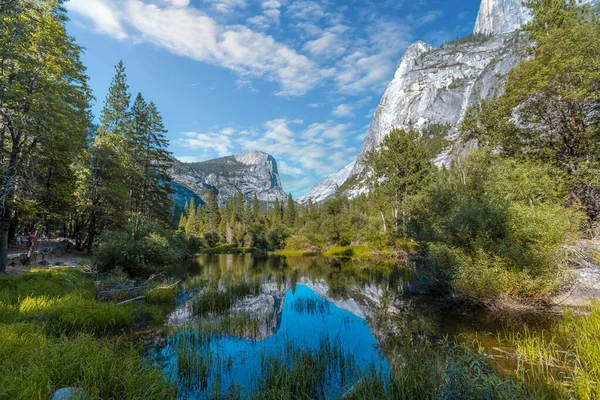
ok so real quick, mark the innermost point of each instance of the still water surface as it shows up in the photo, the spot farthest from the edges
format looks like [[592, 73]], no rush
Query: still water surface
[[356, 310]]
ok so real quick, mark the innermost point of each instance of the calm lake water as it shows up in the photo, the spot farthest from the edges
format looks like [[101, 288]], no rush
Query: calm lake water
[[241, 319]]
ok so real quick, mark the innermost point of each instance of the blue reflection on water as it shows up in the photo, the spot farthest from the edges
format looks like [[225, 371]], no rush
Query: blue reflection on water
[[241, 358]]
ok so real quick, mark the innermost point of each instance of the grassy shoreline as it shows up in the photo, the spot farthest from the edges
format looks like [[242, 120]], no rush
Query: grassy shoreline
[[56, 334], [355, 251]]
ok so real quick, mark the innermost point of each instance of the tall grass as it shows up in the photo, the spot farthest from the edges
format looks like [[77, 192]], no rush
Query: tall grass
[[34, 366], [563, 362], [218, 300], [312, 306], [299, 373]]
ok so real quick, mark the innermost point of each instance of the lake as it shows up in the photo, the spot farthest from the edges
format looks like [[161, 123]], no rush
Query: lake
[[246, 325]]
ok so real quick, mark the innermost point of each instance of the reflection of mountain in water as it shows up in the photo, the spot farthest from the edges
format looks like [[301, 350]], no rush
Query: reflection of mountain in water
[[267, 307]]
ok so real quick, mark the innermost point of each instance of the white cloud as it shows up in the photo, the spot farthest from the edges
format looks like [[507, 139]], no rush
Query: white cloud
[[192, 34], [303, 153], [226, 6], [210, 142], [178, 3], [343, 111], [328, 45], [104, 17]]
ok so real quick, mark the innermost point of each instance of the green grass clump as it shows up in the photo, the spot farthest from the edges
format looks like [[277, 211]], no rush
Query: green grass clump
[[238, 325], [311, 306], [445, 371], [228, 249], [299, 373], [160, 296], [294, 253], [563, 362], [359, 251], [34, 366], [218, 300], [54, 283]]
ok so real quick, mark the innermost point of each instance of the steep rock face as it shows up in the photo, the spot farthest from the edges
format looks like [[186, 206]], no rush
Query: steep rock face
[[249, 173], [327, 187], [501, 16], [437, 85]]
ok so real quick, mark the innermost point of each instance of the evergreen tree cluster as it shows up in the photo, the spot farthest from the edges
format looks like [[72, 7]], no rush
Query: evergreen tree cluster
[[57, 170], [122, 177]]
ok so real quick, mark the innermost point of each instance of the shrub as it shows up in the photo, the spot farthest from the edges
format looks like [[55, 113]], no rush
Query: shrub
[[496, 227], [138, 248]]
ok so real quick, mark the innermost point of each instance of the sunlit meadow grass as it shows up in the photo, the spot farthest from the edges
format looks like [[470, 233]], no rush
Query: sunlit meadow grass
[[34, 365], [50, 322]]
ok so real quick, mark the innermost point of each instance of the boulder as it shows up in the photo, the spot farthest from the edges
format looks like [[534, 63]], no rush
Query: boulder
[[69, 394]]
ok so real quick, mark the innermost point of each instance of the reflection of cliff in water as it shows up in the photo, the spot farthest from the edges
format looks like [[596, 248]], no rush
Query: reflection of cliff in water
[[363, 301]]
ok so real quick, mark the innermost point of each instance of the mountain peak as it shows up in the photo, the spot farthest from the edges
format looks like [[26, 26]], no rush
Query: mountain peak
[[501, 16], [253, 157]]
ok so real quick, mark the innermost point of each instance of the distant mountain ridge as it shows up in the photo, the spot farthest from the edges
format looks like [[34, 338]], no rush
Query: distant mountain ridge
[[250, 173]]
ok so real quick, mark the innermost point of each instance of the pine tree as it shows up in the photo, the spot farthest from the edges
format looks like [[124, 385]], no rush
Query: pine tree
[[182, 222], [191, 222], [256, 214], [290, 214], [213, 213]]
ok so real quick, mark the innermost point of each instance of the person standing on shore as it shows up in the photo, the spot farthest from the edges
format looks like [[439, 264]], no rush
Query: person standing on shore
[[31, 239]]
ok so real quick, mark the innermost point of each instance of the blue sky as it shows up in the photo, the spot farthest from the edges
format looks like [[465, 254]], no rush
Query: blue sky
[[297, 79]]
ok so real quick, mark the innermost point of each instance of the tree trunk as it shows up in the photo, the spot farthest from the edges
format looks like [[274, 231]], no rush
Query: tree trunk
[[6, 194], [4, 221], [91, 231], [384, 224]]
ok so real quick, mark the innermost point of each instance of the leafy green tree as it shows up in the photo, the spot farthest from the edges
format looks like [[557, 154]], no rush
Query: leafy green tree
[[44, 99], [547, 110], [399, 169]]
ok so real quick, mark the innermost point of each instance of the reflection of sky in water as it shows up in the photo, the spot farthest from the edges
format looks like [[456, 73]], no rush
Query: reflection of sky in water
[[298, 326]]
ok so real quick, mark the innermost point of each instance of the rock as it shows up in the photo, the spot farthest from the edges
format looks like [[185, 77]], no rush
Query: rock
[[327, 187], [501, 16], [58, 263], [437, 85], [69, 394], [248, 173], [43, 263]]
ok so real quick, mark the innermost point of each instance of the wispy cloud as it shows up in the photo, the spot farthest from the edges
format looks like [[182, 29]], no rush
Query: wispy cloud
[[188, 32], [343, 111]]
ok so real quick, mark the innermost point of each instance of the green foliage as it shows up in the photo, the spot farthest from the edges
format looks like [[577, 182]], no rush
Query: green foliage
[[55, 283], [141, 247], [45, 113], [570, 347], [556, 93], [217, 300], [399, 168], [350, 251], [470, 38], [496, 227]]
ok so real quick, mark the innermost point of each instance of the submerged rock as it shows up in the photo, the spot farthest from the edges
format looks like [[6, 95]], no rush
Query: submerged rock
[[69, 394]]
